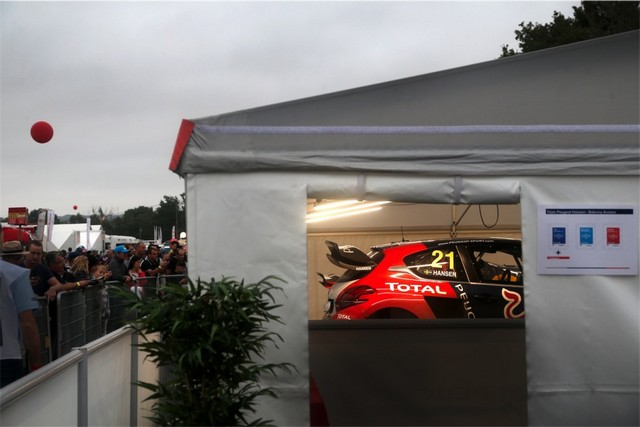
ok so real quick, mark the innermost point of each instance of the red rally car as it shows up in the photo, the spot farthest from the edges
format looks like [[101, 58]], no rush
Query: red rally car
[[431, 279]]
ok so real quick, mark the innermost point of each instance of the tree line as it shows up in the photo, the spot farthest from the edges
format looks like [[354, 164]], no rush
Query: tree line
[[592, 19], [137, 222]]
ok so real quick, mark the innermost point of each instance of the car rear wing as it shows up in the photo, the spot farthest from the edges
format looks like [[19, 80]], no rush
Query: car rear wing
[[349, 257]]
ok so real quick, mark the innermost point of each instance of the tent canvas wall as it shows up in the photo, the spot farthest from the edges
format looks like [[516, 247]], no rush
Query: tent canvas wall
[[558, 126]]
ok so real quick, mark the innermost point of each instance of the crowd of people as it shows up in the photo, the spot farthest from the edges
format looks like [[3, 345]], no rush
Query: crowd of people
[[29, 272]]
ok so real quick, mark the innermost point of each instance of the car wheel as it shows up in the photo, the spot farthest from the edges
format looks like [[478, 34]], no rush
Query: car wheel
[[393, 313]]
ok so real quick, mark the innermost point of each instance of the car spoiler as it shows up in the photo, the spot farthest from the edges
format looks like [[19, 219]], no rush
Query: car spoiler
[[349, 257]]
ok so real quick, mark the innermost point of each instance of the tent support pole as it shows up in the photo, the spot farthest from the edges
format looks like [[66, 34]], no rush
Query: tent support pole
[[454, 222]]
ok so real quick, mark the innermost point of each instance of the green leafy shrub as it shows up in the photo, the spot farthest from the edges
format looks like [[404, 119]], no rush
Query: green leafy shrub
[[212, 336]]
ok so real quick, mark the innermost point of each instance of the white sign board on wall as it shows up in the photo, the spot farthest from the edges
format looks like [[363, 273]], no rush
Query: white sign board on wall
[[588, 239]]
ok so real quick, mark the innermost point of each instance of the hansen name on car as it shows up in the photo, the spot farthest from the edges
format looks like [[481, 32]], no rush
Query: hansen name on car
[[443, 273]]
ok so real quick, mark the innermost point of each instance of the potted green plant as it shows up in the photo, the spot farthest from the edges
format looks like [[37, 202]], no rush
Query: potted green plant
[[212, 340]]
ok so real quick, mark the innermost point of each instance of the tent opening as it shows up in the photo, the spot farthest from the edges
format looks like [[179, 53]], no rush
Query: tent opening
[[405, 372], [363, 227]]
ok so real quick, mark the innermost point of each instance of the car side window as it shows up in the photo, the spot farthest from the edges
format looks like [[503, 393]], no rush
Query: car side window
[[440, 263], [495, 265]]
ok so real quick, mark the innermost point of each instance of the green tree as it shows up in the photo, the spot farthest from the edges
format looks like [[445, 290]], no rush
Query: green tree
[[77, 219], [33, 216], [115, 226], [138, 222], [170, 212], [590, 20], [100, 217]]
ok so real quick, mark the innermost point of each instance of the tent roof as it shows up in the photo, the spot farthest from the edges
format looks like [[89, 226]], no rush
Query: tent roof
[[569, 110]]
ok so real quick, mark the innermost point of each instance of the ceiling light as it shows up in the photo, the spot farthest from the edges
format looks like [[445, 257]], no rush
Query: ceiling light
[[334, 205], [340, 210], [343, 214]]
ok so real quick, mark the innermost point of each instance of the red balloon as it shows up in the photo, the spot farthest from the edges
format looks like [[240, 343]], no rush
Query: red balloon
[[41, 132], [75, 207]]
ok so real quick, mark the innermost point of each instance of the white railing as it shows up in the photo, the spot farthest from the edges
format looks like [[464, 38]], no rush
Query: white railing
[[91, 385]]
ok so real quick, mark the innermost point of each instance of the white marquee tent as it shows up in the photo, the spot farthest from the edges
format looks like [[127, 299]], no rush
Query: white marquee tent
[[555, 127], [65, 236]]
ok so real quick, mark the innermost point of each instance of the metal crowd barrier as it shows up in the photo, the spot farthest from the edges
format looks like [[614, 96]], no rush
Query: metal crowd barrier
[[85, 315], [93, 313], [42, 320], [70, 321]]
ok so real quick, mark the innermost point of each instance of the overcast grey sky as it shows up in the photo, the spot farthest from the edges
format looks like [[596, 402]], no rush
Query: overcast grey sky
[[116, 79]]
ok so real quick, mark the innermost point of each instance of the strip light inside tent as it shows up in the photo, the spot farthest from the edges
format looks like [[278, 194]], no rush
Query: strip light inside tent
[[341, 209]]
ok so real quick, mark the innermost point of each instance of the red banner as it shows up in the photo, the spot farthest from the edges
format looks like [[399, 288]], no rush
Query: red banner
[[18, 216]]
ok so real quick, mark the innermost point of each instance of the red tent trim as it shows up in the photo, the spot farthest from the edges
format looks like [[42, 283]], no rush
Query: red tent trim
[[186, 127]]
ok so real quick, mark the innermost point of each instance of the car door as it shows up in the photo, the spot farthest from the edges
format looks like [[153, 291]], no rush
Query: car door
[[441, 263], [495, 287]]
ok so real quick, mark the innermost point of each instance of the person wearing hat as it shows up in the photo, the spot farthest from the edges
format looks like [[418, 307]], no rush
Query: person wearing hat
[[117, 266], [19, 326], [13, 252]]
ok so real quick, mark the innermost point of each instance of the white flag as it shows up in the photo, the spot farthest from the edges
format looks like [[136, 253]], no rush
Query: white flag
[[51, 216], [42, 220], [88, 233]]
